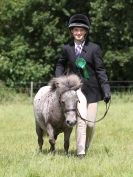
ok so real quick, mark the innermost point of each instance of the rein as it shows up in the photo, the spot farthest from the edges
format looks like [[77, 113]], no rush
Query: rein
[[106, 111], [78, 113]]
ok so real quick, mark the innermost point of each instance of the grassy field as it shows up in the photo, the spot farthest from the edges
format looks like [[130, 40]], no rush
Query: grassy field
[[110, 155]]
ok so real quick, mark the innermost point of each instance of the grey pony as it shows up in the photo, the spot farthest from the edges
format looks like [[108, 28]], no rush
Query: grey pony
[[55, 109]]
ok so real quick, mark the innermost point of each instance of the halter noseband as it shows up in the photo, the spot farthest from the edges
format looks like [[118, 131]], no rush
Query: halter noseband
[[70, 110]]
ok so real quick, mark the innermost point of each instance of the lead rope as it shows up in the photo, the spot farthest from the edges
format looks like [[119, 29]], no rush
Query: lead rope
[[107, 108]]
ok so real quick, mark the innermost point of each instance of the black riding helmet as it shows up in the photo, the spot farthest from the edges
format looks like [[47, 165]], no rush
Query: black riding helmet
[[79, 20]]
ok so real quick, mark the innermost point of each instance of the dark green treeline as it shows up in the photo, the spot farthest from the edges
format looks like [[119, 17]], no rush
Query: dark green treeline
[[32, 31]]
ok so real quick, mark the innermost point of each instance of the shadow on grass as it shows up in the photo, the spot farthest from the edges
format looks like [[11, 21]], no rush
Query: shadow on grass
[[59, 152], [105, 150]]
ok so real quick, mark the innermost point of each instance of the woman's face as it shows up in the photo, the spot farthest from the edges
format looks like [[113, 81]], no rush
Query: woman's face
[[79, 33]]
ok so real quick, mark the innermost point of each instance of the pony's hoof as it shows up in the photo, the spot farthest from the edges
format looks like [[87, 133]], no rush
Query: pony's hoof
[[66, 153], [81, 156], [39, 151], [52, 151]]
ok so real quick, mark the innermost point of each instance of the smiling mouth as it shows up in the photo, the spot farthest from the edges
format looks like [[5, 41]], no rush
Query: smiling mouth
[[79, 36]]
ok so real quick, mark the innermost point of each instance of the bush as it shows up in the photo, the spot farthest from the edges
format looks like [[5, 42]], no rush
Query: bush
[[32, 31]]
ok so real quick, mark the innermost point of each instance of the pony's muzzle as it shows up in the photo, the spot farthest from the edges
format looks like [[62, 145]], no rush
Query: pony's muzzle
[[71, 123]]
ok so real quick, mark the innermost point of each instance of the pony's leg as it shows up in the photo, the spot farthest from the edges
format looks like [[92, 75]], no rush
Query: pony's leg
[[39, 132], [52, 137], [67, 134], [55, 136]]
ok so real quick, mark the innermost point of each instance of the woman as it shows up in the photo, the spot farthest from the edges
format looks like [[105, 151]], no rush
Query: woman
[[82, 57]]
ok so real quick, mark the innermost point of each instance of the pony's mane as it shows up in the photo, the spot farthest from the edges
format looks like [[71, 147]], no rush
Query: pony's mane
[[65, 83]]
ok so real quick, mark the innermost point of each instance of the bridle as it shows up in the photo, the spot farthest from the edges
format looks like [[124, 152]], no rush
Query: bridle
[[78, 113], [106, 111], [68, 110]]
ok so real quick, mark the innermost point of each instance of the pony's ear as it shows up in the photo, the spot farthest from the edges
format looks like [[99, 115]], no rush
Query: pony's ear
[[54, 83], [77, 87], [80, 85]]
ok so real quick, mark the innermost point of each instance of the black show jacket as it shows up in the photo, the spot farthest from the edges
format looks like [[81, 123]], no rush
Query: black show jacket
[[97, 85]]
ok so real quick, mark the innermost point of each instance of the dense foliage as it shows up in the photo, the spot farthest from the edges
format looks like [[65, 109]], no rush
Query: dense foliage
[[31, 32]]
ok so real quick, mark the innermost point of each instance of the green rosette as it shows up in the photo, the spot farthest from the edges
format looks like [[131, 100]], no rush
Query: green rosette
[[81, 63]]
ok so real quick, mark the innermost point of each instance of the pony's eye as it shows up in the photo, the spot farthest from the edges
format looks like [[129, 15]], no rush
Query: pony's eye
[[78, 100], [62, 102]]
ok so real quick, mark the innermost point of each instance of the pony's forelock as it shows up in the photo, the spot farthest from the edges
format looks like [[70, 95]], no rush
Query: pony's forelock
[[64, 83]]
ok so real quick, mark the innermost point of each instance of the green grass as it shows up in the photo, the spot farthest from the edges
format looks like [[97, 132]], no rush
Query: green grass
[[110, 155]]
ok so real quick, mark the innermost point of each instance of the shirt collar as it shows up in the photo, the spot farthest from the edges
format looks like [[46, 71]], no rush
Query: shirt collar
[[81, 44]]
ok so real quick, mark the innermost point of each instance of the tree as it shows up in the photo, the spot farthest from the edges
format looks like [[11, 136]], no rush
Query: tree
[[112, 25], [32, 31]]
